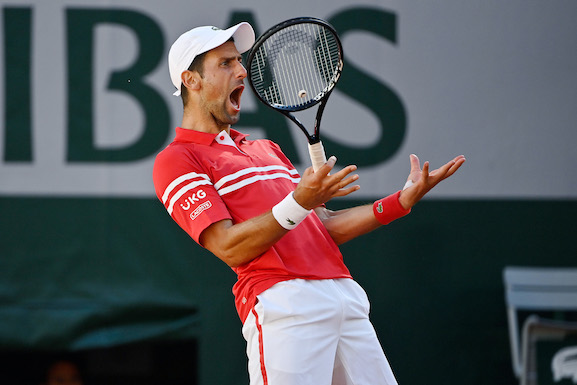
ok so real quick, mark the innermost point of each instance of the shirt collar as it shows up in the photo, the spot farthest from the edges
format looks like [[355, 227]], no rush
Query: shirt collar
[[193, 136]]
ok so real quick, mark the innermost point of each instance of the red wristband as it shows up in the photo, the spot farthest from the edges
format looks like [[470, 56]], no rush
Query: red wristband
[[389, 208]]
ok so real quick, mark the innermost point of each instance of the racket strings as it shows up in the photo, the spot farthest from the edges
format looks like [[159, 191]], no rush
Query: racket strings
[[297, 65]]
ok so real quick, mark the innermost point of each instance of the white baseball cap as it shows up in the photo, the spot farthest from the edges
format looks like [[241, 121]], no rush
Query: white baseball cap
[[200, 40]]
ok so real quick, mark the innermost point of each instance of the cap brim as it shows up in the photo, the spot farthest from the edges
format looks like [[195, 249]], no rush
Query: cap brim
[[244, 36]]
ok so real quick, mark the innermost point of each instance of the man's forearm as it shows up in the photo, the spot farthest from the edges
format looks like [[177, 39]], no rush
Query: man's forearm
[[347, 224], [237, 244]]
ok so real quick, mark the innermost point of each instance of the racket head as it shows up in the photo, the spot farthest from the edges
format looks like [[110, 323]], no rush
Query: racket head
[[295, 64]]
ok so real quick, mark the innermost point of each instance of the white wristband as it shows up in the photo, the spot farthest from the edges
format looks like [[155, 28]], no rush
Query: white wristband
[[288, 213]]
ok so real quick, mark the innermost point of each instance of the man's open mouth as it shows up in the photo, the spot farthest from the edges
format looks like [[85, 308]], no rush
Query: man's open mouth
[[235, 97]]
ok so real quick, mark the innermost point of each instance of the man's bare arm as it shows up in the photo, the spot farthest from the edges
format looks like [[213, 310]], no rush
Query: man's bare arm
[[237, 244]]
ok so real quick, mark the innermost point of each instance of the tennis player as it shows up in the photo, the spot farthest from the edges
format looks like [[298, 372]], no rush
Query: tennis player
[[305, 320]]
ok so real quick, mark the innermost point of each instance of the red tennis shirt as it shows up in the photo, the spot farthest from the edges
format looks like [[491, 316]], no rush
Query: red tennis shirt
[[204, 178]]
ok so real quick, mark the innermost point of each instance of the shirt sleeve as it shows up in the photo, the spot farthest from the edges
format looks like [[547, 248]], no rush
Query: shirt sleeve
[[187, 193]]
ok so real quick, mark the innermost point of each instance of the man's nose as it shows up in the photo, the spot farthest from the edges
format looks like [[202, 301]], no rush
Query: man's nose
[[241, 71]]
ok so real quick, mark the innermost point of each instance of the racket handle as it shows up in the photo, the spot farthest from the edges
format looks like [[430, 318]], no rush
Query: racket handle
[[317, 153]]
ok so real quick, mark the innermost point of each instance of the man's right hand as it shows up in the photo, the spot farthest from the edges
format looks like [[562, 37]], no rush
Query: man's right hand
[[316, 188]]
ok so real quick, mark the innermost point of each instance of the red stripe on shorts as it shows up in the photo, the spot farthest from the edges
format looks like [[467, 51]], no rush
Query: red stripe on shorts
[[260, 348]]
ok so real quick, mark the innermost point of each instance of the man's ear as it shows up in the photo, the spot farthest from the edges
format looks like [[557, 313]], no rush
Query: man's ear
[[191, 80]]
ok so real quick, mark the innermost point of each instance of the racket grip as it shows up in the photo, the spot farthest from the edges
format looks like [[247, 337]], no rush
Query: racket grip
[[317, 153]]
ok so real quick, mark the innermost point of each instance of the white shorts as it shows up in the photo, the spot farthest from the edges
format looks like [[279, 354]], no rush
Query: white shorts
[[314, 332]]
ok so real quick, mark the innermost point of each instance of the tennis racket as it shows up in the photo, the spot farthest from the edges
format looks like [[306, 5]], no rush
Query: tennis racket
[[294, 66]]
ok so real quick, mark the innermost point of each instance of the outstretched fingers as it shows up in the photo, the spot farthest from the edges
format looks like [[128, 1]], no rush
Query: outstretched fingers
[[318, 187], [458, 162], [420, 182], [449, 168], [445, 171], [341, 188], [342, 174], [340, 180]]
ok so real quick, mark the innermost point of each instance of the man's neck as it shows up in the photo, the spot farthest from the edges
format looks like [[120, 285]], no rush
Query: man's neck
[[191, 122]]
